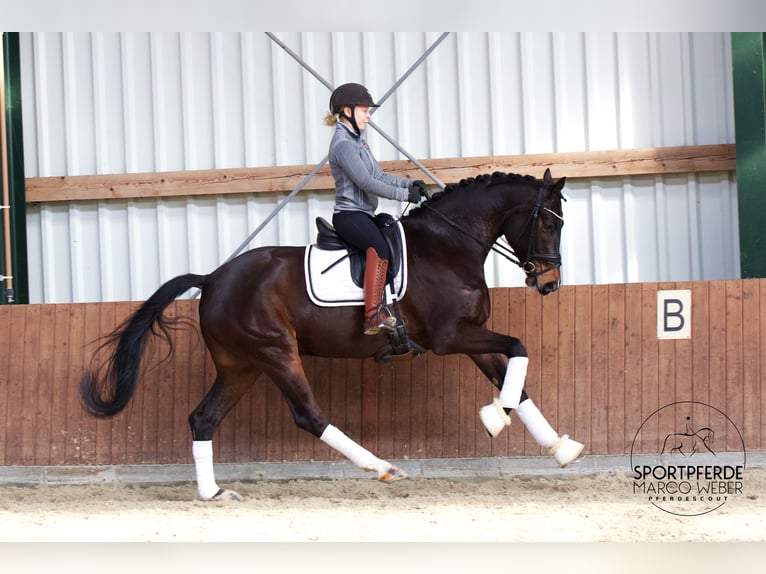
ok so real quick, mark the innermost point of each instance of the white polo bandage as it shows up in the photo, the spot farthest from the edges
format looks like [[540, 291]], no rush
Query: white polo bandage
[[536, 424], [513, 383], [202, 451], [357, 454]]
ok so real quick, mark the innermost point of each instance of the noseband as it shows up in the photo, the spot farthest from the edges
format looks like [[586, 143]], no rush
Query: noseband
[[528, 265], [554, 259]]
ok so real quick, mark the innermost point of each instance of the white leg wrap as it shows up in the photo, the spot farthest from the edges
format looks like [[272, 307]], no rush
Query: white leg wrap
[[513, 383], [357, 454], [536, 424], [202, 451], [563, 449]]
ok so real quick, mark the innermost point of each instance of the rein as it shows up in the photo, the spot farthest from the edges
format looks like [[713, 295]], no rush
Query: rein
[[507, 252]]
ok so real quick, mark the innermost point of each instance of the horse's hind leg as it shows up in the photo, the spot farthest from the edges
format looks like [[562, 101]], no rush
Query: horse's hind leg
[[227, 390], [292, 382]]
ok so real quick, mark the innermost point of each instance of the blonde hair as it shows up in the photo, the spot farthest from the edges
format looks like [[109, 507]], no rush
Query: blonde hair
[[330, 119]]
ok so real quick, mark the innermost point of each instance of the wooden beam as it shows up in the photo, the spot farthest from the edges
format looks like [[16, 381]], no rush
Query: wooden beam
[[592, 164]]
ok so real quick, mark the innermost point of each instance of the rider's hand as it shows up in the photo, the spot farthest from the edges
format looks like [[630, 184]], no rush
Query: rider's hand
[[417, 191]]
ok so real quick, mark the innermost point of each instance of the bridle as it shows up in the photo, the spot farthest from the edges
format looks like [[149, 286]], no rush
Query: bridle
[[554, 259], [528, 265]]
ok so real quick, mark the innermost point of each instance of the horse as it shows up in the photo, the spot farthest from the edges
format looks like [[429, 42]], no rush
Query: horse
[[690, 442], [255, 318]]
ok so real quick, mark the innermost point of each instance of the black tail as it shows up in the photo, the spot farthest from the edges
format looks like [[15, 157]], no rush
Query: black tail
[[107, 390]]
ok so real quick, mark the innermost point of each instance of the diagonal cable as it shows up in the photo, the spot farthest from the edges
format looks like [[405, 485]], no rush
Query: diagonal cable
[[388, 94], [319, 166]]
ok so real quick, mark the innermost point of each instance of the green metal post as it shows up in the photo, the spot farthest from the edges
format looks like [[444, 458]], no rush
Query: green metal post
[[15, 163], [749, 65]]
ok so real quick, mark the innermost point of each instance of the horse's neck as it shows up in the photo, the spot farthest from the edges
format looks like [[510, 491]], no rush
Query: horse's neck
[[466, 229], [478, 217]]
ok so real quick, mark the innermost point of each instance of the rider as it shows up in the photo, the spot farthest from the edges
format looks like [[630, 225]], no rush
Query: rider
[[359, 181]]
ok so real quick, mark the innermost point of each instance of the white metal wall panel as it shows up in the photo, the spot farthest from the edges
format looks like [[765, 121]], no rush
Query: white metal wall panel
[[649, 228], [100, 103]]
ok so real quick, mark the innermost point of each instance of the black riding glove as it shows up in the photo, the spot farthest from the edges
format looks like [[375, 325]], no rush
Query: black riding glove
[[417, 191]]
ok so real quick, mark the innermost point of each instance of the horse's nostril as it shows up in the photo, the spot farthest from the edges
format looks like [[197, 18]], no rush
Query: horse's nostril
[[550, 287]]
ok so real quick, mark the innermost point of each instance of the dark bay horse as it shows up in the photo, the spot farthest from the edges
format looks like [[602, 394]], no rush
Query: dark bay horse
[[256, 318]]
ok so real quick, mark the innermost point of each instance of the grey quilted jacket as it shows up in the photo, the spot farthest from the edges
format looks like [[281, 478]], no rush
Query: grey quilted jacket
[[359, 180]]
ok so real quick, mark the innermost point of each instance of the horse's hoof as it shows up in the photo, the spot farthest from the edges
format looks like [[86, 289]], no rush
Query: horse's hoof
[[227, 496], [392, 474], [566, 451], [494, 418]]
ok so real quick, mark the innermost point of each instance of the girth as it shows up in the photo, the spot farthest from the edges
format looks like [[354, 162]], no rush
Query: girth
[[329, 240]]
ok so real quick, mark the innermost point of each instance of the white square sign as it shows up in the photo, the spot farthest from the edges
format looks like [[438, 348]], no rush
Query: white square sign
[[674, 314]]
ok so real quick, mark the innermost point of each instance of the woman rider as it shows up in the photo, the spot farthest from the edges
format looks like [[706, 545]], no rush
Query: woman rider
[[359, 181]]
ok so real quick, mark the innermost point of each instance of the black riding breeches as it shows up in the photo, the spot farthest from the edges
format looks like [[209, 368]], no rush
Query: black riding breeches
[[361, 231]]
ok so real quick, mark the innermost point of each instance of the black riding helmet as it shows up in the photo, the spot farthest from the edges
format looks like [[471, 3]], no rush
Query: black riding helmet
[[351, 95]]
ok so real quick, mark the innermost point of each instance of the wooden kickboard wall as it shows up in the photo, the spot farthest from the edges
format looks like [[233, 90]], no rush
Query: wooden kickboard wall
[[597, 371]]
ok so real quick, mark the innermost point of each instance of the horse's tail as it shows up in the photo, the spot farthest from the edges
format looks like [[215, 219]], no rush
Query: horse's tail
[[108, 389]]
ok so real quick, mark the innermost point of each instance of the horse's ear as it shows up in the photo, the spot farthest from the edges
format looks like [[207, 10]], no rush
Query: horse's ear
[[547, 178], [560, 184], [554, 187]]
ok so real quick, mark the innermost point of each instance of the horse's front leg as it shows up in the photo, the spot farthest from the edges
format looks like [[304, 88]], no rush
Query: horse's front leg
[[509, 378], [503, 359]]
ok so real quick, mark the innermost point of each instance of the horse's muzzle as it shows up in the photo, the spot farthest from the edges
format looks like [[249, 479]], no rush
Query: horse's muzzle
[[545, 282], [549, 287]]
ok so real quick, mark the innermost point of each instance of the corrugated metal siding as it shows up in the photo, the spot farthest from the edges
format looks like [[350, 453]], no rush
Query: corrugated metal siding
[[98, 103]]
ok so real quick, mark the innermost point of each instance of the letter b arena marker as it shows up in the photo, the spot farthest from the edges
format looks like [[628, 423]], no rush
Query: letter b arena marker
[[674, 314]]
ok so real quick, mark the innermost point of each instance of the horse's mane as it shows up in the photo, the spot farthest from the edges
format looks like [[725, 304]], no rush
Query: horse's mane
[[483, 181]]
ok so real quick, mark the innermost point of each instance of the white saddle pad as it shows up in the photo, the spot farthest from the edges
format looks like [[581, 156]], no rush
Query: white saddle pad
[[328, 281]]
